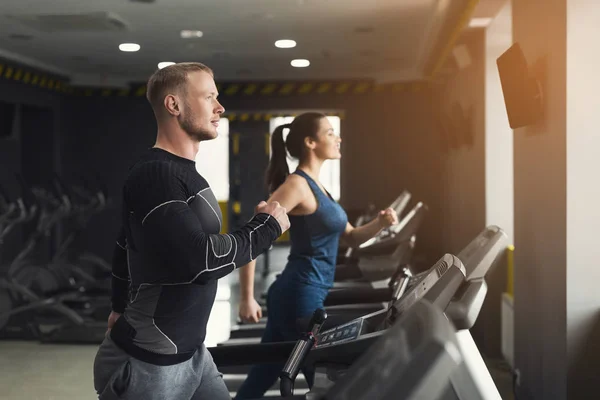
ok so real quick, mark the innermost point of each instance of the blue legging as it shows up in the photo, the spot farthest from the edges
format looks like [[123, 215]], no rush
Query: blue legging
[[287, 303]]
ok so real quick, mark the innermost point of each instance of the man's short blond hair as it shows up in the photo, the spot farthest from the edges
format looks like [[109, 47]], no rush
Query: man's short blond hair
[[171, 79]]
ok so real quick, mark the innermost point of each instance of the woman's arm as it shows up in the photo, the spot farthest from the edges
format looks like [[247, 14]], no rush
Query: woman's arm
[[354, 237], [289, 195]]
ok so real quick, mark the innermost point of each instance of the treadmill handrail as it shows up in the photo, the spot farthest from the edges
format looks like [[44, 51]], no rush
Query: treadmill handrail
[[401, 202], [482, 253], [396, 232], [464, 309], [249, 354]]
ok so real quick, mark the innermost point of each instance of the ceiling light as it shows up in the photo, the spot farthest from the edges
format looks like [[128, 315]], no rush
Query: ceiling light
[[285, 44], [479, 22], [190, 34], [300, 63], [163, 64], [129, 47]]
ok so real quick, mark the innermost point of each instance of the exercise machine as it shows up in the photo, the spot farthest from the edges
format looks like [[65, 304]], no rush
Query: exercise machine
[[478, 257], [333, 354], [442, 280], [415, 359], [36, 302], [460, 295]]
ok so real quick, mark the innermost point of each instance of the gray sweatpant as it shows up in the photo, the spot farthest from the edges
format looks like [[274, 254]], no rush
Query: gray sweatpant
[[120, 376]]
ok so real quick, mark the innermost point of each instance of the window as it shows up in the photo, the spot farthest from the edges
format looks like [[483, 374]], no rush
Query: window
[[212, 161], [330, 172]]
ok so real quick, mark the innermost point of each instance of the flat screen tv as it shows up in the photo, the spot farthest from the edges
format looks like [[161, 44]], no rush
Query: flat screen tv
[[522, 92]]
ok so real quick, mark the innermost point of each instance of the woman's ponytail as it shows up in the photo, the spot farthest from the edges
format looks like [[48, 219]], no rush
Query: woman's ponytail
[[278, 170]]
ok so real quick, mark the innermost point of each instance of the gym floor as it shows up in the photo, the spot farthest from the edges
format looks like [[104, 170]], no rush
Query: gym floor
[[34, 371]]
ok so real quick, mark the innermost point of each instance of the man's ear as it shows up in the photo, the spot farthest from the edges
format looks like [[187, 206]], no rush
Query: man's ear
[[172, 104]]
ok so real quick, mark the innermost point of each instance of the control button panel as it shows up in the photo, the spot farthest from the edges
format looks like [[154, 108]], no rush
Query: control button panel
[[342, 333]]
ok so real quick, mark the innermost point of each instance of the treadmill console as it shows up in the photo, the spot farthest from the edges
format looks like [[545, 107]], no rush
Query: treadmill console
[[422, 283], [380, 320], [339, 334]]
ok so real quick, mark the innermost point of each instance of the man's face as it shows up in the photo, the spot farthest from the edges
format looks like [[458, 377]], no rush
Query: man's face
[[200, 111]]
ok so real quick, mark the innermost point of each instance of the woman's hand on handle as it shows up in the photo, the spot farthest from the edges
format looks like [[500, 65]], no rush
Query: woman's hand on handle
[[387, 217], [250, 311], [354, 237]]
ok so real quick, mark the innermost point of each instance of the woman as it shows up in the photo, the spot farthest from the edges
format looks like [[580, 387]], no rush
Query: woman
[[317, 223]]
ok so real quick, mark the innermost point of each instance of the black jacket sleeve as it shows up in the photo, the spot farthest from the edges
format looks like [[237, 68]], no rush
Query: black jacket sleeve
[[171, 228]]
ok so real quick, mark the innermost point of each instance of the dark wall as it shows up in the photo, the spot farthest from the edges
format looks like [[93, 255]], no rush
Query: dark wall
[[389, 144], [104, 136], [28, 97], [32, 149]]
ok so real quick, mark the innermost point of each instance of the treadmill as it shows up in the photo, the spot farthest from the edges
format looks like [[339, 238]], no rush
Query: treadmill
[[478, 257], [413, 360], [440, 283], [337, 349], [459, 297], [344, 305], [419, 357], [442, 279]]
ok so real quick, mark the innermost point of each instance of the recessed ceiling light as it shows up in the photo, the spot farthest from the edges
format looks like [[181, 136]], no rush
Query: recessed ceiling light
[[163, 64], [479, 22], [129, 47], [300, 63], [285, 44], [190, 34]]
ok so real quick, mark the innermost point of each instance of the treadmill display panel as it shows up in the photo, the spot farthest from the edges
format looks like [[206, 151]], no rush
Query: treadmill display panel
[[339, 334]]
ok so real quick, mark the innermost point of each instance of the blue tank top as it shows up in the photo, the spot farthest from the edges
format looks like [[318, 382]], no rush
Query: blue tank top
[[315, 239]]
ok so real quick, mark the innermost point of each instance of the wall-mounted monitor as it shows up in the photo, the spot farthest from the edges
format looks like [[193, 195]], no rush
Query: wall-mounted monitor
[[522, 92]]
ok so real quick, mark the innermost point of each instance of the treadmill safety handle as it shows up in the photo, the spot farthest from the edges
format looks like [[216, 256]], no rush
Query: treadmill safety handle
[[303, 346]]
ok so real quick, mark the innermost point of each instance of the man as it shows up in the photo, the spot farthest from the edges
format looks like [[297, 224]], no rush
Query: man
[[170, 254]]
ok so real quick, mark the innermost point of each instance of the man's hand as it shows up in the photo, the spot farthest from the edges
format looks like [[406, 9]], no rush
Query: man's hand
[[250, 311], [112, 318], [276, 211], [387, 218]]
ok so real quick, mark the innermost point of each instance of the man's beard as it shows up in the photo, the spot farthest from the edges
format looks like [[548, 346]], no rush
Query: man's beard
[[196, 133]]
